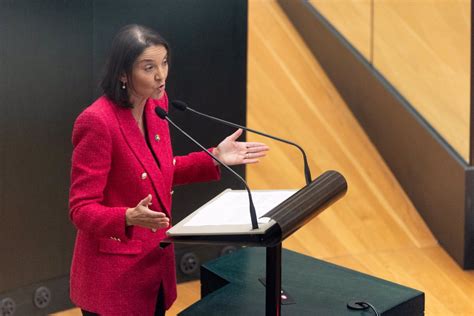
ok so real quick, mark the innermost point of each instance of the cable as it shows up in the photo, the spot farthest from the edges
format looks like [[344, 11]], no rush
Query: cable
[[359, 305]]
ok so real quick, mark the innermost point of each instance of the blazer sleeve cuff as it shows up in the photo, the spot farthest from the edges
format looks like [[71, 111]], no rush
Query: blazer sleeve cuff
[[103, 222]]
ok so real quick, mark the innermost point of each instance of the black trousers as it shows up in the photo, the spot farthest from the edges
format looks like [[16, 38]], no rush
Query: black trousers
[[159, 309]]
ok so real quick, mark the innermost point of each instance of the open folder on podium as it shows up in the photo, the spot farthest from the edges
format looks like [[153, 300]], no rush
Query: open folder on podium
[[228, 213], [226, 218]]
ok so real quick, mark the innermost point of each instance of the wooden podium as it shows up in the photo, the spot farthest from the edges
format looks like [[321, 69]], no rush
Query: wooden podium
[[284, 220]]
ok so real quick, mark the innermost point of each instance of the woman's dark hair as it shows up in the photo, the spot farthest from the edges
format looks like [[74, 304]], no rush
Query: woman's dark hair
[[128, 44]]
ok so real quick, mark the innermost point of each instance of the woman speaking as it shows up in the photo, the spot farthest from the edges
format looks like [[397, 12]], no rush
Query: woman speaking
[[123, 171]]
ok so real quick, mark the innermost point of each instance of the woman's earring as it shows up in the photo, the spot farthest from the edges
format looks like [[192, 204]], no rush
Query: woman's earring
[[123, 86]]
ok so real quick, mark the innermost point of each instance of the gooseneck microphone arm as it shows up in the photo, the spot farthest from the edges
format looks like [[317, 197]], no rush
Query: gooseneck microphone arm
[[180, 105], [253, 215]]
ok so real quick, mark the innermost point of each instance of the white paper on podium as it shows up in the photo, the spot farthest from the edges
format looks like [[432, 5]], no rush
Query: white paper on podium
[[232, 207]]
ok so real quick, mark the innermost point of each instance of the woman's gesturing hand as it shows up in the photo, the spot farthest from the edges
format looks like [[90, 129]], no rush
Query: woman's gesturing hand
[[231, 152], [142, 216]]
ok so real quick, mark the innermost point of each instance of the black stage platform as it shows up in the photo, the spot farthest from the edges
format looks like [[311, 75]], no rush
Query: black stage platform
[[230, 286]]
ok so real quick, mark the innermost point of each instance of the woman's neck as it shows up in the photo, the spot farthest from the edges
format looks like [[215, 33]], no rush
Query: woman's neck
[[137, 112]]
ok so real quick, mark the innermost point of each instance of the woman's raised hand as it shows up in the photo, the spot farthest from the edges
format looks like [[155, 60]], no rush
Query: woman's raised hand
[[231, 152], [141, 215]]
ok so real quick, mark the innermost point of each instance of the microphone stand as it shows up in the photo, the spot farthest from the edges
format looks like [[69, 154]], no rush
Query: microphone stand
[[182, 106], [253, 215]]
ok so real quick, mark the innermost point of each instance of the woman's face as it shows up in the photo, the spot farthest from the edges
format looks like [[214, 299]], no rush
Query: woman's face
[[148, 74]]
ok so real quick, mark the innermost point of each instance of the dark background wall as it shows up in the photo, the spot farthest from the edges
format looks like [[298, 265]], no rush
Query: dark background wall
[[46, 67], [51, 57]]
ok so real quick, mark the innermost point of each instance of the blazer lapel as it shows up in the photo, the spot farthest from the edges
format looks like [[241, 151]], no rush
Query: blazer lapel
[[136, 142], [159, 138]]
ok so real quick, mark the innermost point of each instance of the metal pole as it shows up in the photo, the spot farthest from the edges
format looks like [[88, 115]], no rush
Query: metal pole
[[273, 280]]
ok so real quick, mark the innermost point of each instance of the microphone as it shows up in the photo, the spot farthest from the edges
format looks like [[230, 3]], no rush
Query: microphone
[[253, 215], [180, 105]]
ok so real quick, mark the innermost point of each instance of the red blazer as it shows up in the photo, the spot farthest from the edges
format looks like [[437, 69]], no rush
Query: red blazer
[[117, 270]]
